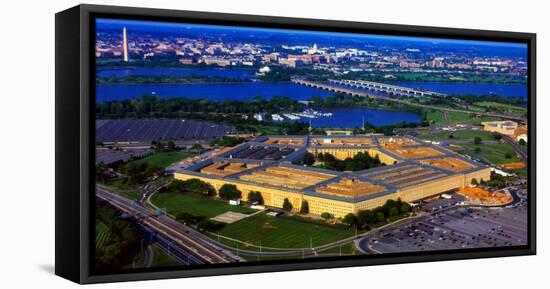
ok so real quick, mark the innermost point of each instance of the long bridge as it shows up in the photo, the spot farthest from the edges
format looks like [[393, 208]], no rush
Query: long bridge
[[356, 93], [385, 88]]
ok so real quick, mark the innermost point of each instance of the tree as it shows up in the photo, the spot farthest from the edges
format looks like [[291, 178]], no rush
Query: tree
[[192, 185], [136, 172], [229, 192], [349, 219], [393, 212], [309, 159], [405, 208], [365, 217], [451, 136], [211, 226], [508, 155], [227, 141], [196, 147], [186, 218], [522, 142], [157, 146], [477, 150], [152, 170], [123, 243], [287, 206], [326, 215], [474, 182], [477, 140], [304, 209], [380, 217], [100, 170], [171, 146], [497, 136], [255, 196]]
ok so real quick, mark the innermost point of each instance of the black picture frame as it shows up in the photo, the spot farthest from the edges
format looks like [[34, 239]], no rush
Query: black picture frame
[[75, 128]]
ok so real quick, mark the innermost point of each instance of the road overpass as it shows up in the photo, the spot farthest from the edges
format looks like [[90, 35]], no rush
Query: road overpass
[[196, 248], [357, 93]]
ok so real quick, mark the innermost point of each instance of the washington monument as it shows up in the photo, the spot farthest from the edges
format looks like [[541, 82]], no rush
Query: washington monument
[[125, 44]]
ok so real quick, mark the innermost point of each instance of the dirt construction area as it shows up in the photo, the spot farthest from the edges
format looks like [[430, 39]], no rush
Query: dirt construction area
[[482, 197]]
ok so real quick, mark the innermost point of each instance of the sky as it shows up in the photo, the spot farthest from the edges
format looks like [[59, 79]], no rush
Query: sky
[[155, 26]]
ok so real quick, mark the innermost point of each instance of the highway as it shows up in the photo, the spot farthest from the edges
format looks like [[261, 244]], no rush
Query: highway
[[192, 247], [522, 154], [358, 93]]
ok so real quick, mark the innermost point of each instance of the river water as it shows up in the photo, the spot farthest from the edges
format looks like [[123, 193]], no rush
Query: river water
[[342, 117]]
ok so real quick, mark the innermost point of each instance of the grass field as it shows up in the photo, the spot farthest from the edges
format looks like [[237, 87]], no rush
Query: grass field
[[473, 134], [434, 116], [162, 159], [458, 117], [121, 188], [282, 232], [194, 204], [494, 153], [521, 172], [510, 109], [161, 259], [459, 135], [101, 234]]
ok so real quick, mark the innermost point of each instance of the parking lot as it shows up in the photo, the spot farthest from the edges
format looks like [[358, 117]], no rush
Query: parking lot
[[454, 228]]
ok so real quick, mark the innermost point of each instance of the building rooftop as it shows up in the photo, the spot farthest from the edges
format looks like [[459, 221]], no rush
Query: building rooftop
[[448, 163], [416, 152], [282, 176], [267, 161], [223, 168], [341, 141], [350, 188]]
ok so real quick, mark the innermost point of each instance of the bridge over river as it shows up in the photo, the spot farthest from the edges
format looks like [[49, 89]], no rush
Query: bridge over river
[[333, 86]]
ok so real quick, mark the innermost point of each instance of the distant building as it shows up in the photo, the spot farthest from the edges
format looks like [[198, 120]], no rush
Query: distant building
[[503, 127], [288, 62], [521, 137], [265, 69], [216, 61], [187, 60]]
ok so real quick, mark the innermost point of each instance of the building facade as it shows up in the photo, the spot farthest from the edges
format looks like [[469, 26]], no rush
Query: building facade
[[412, 170]]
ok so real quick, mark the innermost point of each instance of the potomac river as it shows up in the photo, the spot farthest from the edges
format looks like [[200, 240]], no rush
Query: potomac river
[[342, 117]]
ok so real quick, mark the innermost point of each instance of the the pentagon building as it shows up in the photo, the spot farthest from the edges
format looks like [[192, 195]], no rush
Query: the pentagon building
[[413, 170]]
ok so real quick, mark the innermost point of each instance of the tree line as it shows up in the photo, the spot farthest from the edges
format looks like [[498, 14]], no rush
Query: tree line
[[121, 244], [156, 79], [390, 211], [151, 106], [360, 161]]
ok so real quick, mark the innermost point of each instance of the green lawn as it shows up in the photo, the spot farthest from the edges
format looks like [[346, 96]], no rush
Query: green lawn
[[459, 135], [435, 136], [435, 116], [161, 259], [511, 109], [101, 234], [162, 159], [194, 204], [283, 232], [458, 117], [521, 172], [495, 153], [121, 188], [473, 134]]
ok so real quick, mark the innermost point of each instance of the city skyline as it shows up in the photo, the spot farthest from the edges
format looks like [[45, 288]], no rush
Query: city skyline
[[157, 27]]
